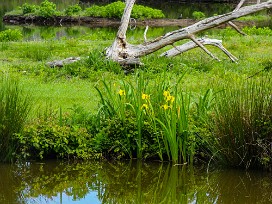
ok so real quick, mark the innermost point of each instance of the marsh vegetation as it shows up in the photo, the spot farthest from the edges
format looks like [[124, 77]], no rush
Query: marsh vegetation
[[189, 109]]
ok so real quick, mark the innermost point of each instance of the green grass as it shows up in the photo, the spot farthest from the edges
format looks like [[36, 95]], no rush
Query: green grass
[[74, 85]]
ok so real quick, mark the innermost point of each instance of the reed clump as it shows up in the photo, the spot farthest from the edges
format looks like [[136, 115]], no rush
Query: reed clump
[[15, 105], [242, 124]]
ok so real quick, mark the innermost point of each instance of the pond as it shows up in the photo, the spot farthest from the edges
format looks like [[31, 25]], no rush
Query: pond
[[170, 9], [129, 182]]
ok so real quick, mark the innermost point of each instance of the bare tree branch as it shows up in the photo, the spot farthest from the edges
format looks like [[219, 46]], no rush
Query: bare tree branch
[[121, 51], [191, 45]]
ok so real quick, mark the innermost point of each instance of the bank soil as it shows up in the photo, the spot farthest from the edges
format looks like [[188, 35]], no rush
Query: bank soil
[[98, 22]]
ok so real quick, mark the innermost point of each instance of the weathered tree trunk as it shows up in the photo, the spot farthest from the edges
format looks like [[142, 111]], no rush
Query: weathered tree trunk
[[125, 53]]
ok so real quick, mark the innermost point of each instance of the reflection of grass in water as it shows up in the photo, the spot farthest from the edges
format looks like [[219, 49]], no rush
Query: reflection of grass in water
[[132, 182]]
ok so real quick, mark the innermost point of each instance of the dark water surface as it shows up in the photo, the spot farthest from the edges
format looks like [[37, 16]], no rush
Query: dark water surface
[[170, 9], [129, 182]]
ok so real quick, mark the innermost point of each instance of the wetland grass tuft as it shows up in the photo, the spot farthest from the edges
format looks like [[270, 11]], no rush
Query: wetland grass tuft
[[14, 109], [242, 123]]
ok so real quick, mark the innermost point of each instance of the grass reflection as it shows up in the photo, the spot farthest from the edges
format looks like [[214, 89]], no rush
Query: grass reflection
[[131, 182]]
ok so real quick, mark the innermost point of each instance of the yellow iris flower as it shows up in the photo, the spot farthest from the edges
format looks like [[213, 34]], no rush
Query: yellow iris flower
[[145, 106], [145, 96], [165, 106], [121, 92]]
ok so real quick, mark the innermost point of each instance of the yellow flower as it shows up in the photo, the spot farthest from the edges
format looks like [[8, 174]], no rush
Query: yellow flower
[[166, 94], [145, 106], [172, 99], [145, 96], [168, 98], [165, 106], [121, 92]]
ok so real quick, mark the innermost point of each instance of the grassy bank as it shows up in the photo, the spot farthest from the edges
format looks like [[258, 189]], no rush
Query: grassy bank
[[169, 109]]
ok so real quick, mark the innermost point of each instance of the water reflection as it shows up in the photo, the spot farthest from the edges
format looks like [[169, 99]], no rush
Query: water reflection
[[35, 33], [129, 182]]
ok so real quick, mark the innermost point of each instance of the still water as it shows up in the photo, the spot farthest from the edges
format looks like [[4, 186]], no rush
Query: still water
[[170, 9], [129, 182]]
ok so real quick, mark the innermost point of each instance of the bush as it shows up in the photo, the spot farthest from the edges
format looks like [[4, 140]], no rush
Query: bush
[[46, 138], [116, 139], [96, 11], [10, 35], [28, 8], [47, 9], [198, 15], [140, 11], [116, 9], [74, 9]]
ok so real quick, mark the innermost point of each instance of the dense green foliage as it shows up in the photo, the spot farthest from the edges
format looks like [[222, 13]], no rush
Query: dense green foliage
[[47, 9], [73, 9], [28, 8], [113, 10], [10, 35]]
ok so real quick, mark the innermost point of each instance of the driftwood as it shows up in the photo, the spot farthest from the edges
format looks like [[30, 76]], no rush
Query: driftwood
[[123, 52]]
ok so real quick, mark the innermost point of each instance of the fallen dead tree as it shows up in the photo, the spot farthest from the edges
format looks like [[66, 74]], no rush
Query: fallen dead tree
[[125, 53]]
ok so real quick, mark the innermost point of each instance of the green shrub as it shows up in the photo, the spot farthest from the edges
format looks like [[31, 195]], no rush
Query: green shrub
[[28, 8], [47, 9], [43, 139], [198, 15], [15, 105], [116, 9], [10, 35], [140, 11], [117, 139], [96, 11], [73, 9]]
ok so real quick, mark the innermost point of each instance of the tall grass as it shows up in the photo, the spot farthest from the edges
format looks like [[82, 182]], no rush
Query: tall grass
[[242, 123], [14, 109]]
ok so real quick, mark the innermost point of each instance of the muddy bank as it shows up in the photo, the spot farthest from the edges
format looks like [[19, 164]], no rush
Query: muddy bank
[[102, 22]]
